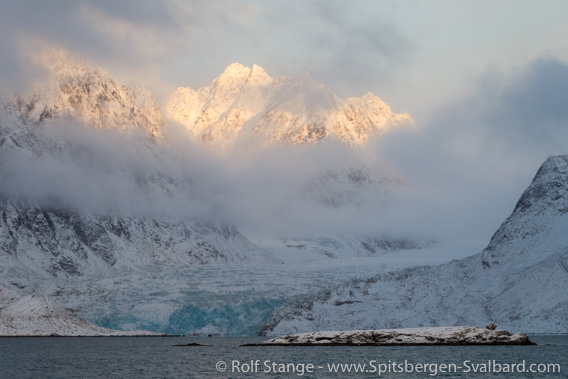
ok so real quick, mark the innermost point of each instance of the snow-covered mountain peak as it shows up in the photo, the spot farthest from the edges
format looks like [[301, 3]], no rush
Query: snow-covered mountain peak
[[236, 75], [59, 62], [259, 77], [235, 69], [81, 90], [543, 205], [293, 110], [235, 72], [306, 78]]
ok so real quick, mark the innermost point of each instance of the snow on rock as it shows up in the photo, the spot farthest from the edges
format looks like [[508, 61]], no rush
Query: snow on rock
[[36, 315], [57, 243], [294, 110], [454, 335], [519, 281], [85, 92], [127, 211], [50, 234]]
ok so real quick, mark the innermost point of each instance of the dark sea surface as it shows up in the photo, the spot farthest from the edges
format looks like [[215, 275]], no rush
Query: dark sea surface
[[157, 357]]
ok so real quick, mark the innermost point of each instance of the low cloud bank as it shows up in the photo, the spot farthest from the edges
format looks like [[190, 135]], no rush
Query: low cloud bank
[[453, 179]]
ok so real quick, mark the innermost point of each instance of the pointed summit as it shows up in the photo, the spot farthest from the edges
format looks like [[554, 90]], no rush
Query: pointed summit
[[235, 71], [306, 78], [79, 89], [258, 76], [257, 69], [293, 110]]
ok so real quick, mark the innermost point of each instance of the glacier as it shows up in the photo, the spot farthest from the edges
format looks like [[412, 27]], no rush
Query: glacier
[[518, 281], [101, 215]]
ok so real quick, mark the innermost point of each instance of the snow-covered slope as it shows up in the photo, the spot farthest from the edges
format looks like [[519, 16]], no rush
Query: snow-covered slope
[[44, 242], [295, 110], [84, 92], [519, 281], [36, 315]]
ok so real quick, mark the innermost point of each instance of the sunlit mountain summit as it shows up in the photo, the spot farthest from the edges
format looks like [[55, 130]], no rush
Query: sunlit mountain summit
[[80, 90], [299, 110]]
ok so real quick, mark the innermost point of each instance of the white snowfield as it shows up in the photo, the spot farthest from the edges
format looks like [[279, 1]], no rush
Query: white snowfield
[[453, 335], [36, 315], [519, 281], [293, 110]]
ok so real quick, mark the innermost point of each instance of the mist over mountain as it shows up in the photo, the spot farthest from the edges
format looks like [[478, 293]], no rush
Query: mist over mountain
[[106, 206], [89, 188], [85, 139], [98, 188], [519, 281], [80, 90]]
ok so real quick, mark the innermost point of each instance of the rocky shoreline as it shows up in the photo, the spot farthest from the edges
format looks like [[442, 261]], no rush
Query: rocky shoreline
[[432, 336]]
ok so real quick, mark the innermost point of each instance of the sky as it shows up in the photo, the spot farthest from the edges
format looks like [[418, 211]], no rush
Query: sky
[[485, 81]]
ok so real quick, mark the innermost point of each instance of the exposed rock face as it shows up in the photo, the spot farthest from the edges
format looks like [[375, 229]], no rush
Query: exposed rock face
[[455, 335], [56, 243], [244, 101], [519, 281]]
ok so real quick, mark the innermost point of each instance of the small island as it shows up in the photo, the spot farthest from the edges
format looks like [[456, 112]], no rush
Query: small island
[[451, 335]]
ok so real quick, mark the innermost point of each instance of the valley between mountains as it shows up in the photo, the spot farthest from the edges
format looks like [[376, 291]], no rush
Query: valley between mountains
[[104, 214]]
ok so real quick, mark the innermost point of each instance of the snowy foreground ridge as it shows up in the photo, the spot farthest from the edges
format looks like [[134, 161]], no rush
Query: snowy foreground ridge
[[455, 335], [36, 315]]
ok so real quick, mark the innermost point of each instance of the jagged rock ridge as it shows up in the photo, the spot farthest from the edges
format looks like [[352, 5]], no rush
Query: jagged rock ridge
[[248, 101], [86, 93]]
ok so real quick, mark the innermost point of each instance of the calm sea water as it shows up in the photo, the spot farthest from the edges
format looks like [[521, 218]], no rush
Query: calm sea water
[[157, 357]]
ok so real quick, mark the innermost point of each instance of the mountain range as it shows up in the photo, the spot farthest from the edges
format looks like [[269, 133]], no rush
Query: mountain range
[[101, 215], [82, 91], [44, 232], [246, 101], [92, 194]]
